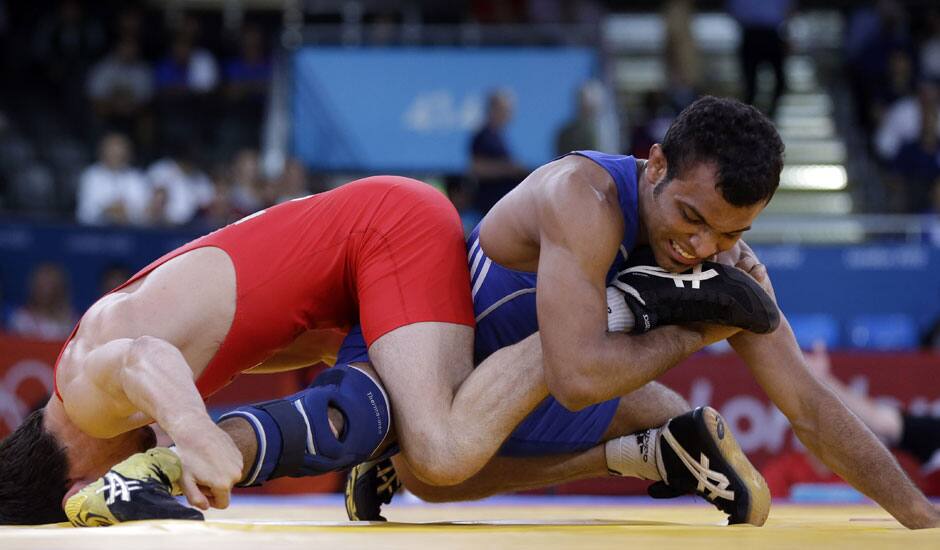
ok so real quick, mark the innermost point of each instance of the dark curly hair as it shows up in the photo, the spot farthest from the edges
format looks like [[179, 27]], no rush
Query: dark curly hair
[[742, 143], [33, 475]]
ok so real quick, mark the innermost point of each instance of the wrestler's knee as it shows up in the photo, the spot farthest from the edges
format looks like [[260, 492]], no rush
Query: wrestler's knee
[[421, 489], [434, 461]]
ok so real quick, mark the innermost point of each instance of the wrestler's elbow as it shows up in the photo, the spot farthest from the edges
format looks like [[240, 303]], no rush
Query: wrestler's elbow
[[146, 347]]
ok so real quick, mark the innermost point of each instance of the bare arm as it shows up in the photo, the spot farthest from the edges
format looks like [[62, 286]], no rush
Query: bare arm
[[580, 233], [147, 378], [828, 428]]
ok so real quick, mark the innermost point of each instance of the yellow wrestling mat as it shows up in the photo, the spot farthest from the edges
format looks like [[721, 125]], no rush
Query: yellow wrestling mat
[[545, 523]]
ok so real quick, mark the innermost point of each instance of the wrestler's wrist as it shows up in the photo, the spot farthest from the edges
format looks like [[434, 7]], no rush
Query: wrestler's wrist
[[184, 429]]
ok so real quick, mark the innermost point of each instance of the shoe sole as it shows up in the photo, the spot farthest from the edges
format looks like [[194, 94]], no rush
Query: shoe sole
[[721, 441], [351, 511], [766, 302]]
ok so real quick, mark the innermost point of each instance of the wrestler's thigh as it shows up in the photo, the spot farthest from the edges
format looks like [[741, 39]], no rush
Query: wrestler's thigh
[[648, 407], [421, 365]]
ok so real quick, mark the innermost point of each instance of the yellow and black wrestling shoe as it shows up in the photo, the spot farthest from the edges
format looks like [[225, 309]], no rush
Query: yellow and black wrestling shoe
[[368, 486], [141, 487]]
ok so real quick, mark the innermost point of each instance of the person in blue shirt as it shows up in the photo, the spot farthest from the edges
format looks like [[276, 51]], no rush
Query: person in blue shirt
[[542, 259], [491, 160]]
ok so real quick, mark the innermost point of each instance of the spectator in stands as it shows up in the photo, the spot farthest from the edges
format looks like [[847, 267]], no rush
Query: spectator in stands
[[184, 81], [930, 49], [763, 40], [113, 276], [246, 80], [249, 191], [294, 182], [683, 60], [652, 124], [581, 132], [47, 313], [221, 210], [187, 69], [111, 191], [180, 185], [909, 141], [491, 161], [902, 122], [877, 41], [120, 87]]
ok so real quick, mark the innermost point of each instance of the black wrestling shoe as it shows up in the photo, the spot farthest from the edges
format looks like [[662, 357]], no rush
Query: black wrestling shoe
[[708, 293], [141, 487], [369, 486], [698, 454]]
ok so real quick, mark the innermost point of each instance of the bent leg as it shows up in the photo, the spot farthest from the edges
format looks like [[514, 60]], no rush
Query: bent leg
[[451, 418], [648, 407]]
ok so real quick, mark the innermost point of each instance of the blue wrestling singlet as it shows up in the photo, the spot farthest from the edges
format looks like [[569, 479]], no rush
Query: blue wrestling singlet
[[504, 306]]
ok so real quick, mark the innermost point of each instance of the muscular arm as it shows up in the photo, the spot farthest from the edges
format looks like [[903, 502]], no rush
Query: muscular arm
[[828, 428], [144, 378], [132, 381], [579, 233]]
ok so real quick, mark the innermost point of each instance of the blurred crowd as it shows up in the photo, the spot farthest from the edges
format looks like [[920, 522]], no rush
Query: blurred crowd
[[893, 61], [117, 114], [112, 113]]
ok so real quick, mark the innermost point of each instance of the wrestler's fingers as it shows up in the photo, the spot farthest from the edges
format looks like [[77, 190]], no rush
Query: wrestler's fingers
[[193, 493], [220, 497], [758, 271]]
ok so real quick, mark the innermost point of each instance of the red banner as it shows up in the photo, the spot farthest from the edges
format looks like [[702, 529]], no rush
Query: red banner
[[910, 380]]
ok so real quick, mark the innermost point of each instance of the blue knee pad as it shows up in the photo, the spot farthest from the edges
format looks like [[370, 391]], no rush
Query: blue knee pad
[[294, 436]]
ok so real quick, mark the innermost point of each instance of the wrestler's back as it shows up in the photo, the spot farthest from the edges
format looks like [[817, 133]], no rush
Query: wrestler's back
[[276, 289], [189, 301]]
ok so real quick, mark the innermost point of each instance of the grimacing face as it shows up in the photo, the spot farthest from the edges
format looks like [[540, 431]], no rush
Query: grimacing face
[[686, 219]]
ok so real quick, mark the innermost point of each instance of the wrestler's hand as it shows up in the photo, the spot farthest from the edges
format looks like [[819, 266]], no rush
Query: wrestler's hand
[[212, 464], [743, 257], [714, 333]]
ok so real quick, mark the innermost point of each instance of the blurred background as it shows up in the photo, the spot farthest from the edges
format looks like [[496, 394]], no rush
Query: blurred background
[[129, 128]]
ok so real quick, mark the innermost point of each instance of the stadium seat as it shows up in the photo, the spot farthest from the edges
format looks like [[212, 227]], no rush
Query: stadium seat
[[889, 331], [810, 328]]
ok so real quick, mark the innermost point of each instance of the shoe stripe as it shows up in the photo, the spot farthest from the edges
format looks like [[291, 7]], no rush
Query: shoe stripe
[[701, 472], [696, 277], [311, 448]]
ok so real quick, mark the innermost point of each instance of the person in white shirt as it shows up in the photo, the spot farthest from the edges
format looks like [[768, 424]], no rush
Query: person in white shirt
[[121, 83], [186, 188], [111, 191], [901, 123]]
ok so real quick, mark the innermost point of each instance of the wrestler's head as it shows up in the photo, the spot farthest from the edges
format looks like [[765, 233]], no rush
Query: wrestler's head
[[715, 171], [47, 457]]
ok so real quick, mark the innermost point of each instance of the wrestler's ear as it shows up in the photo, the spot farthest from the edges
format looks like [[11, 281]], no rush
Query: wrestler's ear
[[656, 166]]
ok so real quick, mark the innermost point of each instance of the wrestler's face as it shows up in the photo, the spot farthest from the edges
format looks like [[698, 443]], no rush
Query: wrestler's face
[[686, 220], [89, 462]]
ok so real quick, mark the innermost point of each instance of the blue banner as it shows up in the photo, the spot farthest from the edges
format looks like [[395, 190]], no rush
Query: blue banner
[[416, 110], [842, 294]]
